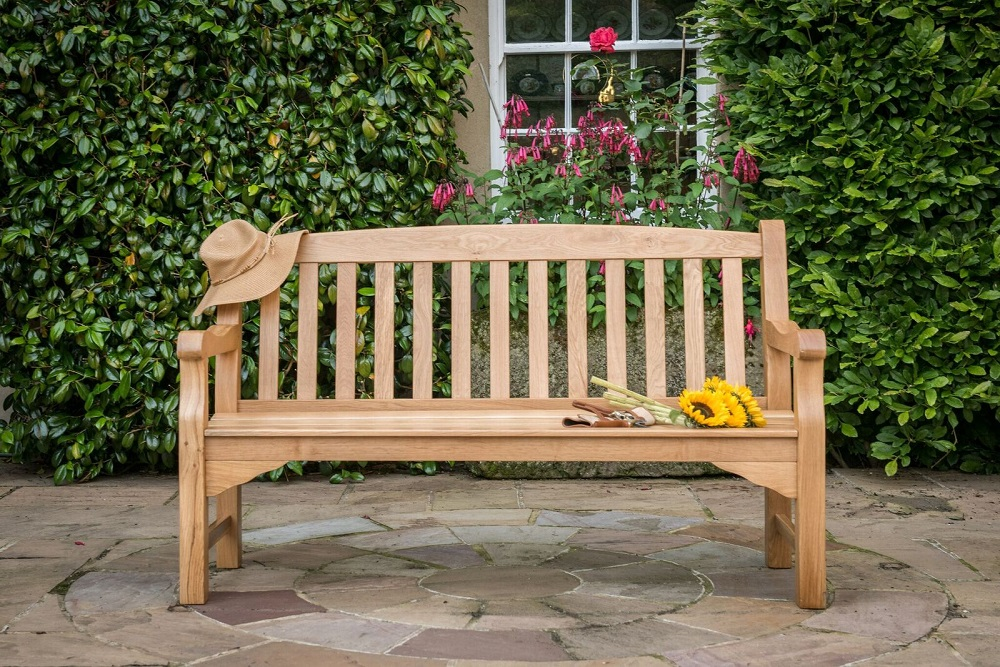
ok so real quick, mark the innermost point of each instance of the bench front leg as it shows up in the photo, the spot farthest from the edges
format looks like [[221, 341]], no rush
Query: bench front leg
[[810, 502], [194, 528]]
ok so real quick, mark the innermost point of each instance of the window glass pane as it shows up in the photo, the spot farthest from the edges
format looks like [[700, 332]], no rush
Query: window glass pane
[[661, 19], [663, 68], [594, 14], [539, 80], [536, 21]]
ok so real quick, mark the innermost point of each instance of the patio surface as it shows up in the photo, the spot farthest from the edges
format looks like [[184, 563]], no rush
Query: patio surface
[[455, 570]]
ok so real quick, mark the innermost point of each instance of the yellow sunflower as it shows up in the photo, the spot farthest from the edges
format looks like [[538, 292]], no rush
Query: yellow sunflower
[[738, 417], [715, 383], [755, 414], [704, 408]]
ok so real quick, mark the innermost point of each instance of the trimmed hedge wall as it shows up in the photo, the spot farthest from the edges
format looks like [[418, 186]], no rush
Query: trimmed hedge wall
[[133, 128], [878, 128]]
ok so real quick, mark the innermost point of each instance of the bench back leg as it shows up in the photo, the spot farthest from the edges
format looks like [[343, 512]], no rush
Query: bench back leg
[[777, 545], [228, 508]]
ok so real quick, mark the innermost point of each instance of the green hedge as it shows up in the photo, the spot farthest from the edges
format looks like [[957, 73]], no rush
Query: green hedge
[[878, 127], [133, 128]]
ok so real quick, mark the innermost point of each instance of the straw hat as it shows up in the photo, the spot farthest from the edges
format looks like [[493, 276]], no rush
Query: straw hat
[[244, 263]]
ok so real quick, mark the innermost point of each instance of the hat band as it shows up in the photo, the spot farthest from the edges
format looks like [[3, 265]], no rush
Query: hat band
[[267, 247]]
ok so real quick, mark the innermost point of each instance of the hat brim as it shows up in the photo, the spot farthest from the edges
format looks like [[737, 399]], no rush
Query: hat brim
[[261, 279]]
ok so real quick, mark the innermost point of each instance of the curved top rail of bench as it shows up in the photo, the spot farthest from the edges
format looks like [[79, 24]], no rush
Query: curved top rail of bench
[[519, 243]]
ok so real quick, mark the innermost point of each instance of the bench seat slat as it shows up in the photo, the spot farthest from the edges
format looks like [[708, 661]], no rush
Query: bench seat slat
[[439, 404]]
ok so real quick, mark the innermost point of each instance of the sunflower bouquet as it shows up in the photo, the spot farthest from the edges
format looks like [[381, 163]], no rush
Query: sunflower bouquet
[[717, 403]]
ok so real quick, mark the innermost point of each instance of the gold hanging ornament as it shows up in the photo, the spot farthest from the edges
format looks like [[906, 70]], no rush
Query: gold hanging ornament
[[607, 93]]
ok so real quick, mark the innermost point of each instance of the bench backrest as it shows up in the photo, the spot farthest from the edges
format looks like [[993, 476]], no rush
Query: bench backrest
[[537, 246]]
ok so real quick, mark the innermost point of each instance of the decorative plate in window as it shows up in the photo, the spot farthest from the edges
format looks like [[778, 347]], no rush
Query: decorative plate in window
[[680, 22], [527, 28], [655, 79], [620, 21], [581, 27], [530, 83], [585, 79], [656, 23]]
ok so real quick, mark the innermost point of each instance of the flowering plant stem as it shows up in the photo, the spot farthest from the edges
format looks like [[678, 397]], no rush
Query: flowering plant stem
[[620, 397]]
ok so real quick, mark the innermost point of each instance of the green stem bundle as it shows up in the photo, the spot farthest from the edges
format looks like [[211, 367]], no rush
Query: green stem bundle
[[621, 397]]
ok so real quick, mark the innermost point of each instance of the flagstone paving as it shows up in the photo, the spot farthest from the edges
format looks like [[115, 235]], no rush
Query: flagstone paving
[[455, 570]]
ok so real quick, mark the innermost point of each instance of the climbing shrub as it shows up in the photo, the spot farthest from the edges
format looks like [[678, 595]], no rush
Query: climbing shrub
[[131, 129], [877, 128]]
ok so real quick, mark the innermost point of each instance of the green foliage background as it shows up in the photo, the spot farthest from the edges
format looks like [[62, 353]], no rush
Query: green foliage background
[[878, 128], [131, 129]]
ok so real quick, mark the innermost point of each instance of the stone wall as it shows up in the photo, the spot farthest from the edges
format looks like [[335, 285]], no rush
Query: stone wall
[[597, 365]]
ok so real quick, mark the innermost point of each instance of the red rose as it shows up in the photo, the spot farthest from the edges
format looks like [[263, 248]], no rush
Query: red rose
[[603, 40]]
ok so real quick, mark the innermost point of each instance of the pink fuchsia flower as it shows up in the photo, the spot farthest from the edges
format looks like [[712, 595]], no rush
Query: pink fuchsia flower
[[561, 169], [443, 195], [617, 197], [601, 270], [516, 110], [470, 190], [603, 40], [722, 108], [745, 167], [576, 170], [751, 330], [657, 205]]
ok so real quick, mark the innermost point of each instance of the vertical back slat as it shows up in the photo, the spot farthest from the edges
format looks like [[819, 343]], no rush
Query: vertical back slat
[[461, 330], [774, 307], [576, 328], [308, 330], [732, 319], [347, 329], [694, 323], [499, 330], [655, 325], [538, 329], [614, 303], [423, 329], [385, 327], [228, 369], [267, 363]]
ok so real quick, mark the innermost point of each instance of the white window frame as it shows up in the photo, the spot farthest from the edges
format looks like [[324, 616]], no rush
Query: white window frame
[[499, 49]]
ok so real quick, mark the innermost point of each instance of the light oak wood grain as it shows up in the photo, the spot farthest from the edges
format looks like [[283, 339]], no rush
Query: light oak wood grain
[[245, 437]]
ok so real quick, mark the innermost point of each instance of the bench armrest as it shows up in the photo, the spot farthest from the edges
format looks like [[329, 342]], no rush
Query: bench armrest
[[786, 336], [202, 345]]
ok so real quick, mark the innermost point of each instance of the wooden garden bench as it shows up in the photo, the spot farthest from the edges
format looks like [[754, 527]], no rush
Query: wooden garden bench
[[242, 438]]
